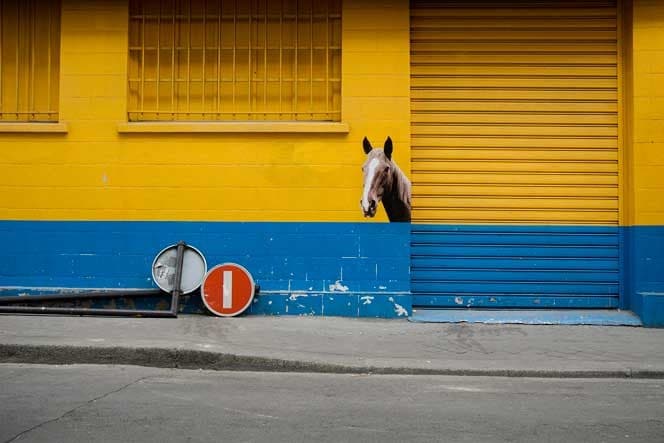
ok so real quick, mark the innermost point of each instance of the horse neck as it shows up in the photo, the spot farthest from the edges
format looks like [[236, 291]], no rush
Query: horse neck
[[397, 206]]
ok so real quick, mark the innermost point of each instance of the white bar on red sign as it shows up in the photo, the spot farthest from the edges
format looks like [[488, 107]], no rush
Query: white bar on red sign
[[227, 298]]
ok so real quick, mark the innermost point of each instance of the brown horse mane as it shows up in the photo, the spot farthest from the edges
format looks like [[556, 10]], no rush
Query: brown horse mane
[[403, 185], [401, 188]]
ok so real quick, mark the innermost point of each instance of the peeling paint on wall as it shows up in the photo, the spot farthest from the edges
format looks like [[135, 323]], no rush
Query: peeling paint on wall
[[398, 309], [338, 286]]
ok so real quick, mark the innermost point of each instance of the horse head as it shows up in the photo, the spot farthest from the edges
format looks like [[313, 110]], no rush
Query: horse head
[[378, 177]]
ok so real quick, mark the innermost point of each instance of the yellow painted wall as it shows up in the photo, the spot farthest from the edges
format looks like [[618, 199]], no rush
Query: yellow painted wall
[[93, 172], [647, 132]]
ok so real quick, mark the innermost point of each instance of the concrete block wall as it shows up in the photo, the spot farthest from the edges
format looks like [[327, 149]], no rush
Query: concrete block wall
[[79, 207]]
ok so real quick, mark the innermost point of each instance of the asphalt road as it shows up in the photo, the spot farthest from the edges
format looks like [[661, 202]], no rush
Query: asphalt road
[[127, 404]]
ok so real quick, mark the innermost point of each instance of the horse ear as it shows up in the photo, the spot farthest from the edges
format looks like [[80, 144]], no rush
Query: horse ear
[[388, 148], [366, 145]]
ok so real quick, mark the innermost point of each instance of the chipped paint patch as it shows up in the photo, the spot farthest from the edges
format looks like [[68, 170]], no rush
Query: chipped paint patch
[[338, 287], [348, 304], [295, 295], [458, 300], [398, 309]]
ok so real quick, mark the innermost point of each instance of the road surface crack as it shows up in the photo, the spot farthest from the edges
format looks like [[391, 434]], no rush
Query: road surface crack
[[71, 411]]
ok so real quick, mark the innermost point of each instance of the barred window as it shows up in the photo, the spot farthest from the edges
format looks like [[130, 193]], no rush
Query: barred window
[[29, 60], [218, 60]]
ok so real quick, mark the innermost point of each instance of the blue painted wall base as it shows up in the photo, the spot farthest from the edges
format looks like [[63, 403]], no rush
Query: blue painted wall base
[[332, 304], [334, 269], [650, 308], [644, 285]]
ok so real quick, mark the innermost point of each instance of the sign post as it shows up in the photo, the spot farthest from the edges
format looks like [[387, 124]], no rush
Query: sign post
[[228, 290]]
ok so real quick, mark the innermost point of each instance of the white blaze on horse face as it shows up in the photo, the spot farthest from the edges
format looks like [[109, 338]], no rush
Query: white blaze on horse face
[[370, 177]]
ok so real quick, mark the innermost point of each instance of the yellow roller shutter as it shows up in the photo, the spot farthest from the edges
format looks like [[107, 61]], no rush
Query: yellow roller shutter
[[514, 112], [515, 154]]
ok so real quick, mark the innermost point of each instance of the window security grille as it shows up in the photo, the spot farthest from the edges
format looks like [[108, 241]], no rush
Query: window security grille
[[212, 60], [29, 60]]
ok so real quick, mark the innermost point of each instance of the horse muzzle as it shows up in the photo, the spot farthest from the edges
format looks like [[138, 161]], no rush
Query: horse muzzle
[[370, 209]]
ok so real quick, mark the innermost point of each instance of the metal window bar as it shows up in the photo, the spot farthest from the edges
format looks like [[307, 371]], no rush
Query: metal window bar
[[48, 61], [173, 61], [250, 77], [28, 77], [281, 55], [234, 50], [311, 59], [327, 55], [214, 16], [174, 30], [204, 53], [143, 58], [18, 59], [218, 71], [265, 48], [2, 42], [32, 42], [188, 56], [158, 54], [187, 19], [297, 50]]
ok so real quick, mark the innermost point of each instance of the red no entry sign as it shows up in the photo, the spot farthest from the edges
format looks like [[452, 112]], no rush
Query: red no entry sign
[[228, 290]]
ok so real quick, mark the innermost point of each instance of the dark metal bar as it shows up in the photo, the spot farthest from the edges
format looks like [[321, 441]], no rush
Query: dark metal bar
[[177, 285], [79, 296], [83, 311], [171, 313]]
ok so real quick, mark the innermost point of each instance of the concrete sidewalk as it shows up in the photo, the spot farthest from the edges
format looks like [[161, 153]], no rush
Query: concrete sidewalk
[[327, 344]]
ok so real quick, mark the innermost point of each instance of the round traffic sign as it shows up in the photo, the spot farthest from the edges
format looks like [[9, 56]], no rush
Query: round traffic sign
[[193, 269], [228, 290]]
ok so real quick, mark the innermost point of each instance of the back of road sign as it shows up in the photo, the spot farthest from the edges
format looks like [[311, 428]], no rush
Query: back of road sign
[[228, 290]]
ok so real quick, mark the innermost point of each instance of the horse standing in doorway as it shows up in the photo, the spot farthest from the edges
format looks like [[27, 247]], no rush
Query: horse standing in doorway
[[384, 181]]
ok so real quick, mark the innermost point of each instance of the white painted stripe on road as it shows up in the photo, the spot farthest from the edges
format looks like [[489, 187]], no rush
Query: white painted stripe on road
[[227, 297]]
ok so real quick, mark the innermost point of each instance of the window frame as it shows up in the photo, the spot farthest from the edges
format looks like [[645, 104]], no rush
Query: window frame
[[29, 114], [165, 120]]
